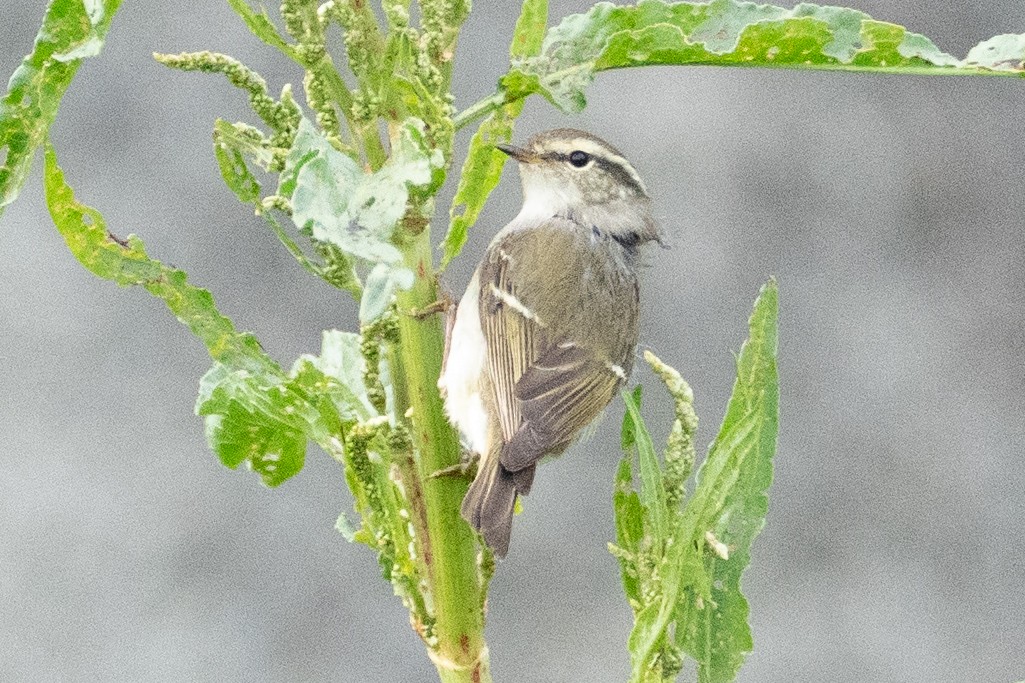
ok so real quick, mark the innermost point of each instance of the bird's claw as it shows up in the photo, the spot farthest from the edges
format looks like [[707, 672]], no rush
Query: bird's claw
[[465, 468]]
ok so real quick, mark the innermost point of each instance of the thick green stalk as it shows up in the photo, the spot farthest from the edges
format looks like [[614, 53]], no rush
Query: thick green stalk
[[450, 548]]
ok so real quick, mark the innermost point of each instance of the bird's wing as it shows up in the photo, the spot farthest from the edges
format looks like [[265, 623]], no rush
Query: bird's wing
[[565, 389], [546, 386], [512, 333]]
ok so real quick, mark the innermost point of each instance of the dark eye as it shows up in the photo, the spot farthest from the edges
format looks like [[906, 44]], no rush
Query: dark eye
[[579, 159]]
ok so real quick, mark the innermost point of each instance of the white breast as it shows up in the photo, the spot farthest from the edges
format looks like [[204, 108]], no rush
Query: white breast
[[460, 382]]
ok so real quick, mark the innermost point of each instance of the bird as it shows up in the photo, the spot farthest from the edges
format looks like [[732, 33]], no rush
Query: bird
[[545, 335]]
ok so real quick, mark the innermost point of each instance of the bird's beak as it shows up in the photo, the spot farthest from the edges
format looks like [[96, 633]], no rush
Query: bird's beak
[[518, 153]]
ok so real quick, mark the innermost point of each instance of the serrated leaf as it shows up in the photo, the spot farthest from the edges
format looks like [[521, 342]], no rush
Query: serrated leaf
[[260, 419], [730, 501], [734, 33], [272, 451], [265, 419], [254, 412], [71, 31], [125, 262]]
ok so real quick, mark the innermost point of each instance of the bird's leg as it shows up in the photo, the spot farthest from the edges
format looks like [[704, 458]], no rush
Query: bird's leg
[[447, 305], [442, 305], [466, 467]]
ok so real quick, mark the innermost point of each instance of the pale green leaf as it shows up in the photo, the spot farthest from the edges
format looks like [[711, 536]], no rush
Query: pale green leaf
[[341, 359], [382, 283], [734, 33], [1000, 53], [341, 205], [71, 30], [346, 528], [342, 365]]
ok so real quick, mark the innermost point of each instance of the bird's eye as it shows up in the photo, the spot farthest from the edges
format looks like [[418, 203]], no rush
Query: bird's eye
[[579, 159]]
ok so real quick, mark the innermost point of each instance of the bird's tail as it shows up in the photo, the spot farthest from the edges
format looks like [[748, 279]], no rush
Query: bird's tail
[[489, 502]]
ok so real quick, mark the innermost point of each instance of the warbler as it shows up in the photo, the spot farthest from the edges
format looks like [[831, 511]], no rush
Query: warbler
[[545, 334]]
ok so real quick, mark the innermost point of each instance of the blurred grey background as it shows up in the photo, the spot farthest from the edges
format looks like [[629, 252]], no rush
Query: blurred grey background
[[889, 208]]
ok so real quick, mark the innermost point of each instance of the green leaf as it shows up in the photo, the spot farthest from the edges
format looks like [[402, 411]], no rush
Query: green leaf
[[629, 529], [232, 162], [734, 33], [483, 166], [125, 262], [480, 175], [529, 33], [71, 31], [683, 583], [261, 25], [653, 492], [255, 412], [355, 211], [730, 502], [265, 419], [244, 422]]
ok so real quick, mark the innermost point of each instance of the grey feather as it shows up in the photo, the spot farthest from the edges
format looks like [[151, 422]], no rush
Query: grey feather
[[489, 503]]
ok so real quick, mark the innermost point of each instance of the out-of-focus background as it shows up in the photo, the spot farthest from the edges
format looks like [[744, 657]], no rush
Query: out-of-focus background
[[891, 210]]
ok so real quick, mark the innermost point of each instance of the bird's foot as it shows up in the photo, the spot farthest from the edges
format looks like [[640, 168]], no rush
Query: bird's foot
[[465, 468], [442, 305]]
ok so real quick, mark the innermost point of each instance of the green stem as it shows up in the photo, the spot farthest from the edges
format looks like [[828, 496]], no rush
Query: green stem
[[480, 109], [450, 548]]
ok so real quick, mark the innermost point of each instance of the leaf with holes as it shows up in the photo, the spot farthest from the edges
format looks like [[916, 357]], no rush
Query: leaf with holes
[[72, 30], [734, 33]]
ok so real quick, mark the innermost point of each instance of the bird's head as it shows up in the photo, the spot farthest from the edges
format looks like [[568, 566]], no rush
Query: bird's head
[[575, 174]]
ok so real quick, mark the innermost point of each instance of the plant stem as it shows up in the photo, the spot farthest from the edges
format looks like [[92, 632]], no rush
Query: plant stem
[[450, 547], [479, 109]]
